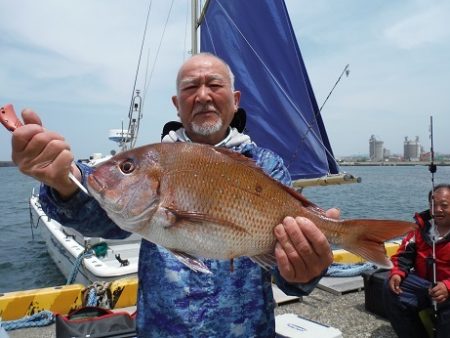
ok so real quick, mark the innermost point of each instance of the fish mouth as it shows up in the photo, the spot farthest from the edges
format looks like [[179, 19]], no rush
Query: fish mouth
[[116, 206], [98, 190], [95, 186]]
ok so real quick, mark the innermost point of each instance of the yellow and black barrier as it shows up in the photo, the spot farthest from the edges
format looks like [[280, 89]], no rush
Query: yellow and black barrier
[[62, 299]]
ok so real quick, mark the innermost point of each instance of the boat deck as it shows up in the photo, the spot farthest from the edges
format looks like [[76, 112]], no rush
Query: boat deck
[[345, 312]]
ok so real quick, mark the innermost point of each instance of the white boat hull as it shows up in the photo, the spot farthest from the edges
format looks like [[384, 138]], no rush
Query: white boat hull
[[65, 245]]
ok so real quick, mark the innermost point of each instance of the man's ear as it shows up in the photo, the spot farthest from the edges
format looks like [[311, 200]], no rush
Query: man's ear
[[237, 99], [175, 101]]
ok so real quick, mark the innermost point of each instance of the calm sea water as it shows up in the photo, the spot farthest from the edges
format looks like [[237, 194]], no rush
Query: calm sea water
[[385, 192]]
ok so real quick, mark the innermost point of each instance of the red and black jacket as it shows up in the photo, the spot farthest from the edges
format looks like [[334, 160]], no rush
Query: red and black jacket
[[416, 251]]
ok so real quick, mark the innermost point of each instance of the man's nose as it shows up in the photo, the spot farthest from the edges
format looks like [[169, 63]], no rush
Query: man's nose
[[437, 208], [203, 94]]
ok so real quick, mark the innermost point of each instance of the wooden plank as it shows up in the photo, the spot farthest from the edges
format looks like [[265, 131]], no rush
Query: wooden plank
[[280, 297], [341, 285]]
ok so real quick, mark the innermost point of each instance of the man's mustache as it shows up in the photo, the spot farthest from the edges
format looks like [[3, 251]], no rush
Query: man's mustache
[[204, 108]]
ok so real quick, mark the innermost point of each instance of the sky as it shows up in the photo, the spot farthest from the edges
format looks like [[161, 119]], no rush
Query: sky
[[74, 63]]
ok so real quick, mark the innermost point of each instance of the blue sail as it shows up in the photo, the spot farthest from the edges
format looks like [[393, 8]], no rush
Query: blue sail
[[255, 37]]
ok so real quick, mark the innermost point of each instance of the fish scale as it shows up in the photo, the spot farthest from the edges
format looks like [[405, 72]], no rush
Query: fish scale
[[203, 196], [200, 201]]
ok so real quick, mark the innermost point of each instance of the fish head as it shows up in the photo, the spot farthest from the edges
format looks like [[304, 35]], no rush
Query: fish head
[[127, 187]]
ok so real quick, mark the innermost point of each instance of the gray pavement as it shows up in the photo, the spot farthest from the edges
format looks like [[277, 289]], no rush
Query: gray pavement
[[345, 312]]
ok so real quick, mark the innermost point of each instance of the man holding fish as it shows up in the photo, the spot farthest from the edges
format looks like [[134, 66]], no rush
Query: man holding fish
[[196, 282], [174, 300]]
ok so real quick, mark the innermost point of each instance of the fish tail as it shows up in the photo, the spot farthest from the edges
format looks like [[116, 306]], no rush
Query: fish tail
[[366, 237]]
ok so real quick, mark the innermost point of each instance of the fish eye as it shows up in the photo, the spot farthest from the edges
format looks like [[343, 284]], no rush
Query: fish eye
[[127, 166]]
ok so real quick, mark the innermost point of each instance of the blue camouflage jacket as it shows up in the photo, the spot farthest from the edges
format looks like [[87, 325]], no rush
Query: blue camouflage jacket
[[174, 301]]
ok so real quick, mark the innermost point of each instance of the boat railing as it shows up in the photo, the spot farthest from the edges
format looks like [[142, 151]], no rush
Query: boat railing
[[331, 179]]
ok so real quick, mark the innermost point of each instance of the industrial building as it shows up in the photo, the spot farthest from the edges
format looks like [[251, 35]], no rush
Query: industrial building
[[411, 149], [375, 149]]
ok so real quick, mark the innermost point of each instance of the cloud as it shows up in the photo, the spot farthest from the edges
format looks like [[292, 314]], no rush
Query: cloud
[[427, 27], [75, 63]]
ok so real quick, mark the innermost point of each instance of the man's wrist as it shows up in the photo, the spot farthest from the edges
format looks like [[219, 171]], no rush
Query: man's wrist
[[68, 189]]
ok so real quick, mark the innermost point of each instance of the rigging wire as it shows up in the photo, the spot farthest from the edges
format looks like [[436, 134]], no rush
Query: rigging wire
[[131, 108], [137, 102], [290, 100], [147, 84]]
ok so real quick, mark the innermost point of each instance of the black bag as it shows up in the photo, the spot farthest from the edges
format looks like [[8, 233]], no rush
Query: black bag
[[96, 322], [373, 290]]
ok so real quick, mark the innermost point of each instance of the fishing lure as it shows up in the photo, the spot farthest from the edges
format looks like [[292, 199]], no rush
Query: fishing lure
[[9, 118], [10, 121]]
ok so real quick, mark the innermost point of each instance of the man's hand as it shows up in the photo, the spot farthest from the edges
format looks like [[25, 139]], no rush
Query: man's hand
[[394, 284], [302, 250], [439, 292], [43, 155]]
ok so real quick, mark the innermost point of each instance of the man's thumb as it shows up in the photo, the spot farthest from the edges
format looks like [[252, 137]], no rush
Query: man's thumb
[[30, 117]]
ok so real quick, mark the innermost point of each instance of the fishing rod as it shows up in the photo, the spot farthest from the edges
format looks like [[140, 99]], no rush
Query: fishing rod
[[346, 71], [433, 168]]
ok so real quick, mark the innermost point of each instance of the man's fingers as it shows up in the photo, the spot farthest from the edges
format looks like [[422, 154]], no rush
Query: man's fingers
[[302, 250], [283, 262], [294, 242], [50, 153], [23, 135], [311, 241], [32, 140]]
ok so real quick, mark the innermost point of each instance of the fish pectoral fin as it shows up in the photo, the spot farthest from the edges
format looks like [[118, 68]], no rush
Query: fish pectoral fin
[[266, 261], [191, 262], [183, 217]]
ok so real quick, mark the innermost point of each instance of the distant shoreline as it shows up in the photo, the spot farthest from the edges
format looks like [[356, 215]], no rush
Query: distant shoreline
[[7, 164], [344, 163], [392, 164]]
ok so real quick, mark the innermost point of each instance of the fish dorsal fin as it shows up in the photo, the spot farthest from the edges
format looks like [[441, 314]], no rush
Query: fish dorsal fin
[[238, 157], [183, 216], [242, 159], [306, 203]]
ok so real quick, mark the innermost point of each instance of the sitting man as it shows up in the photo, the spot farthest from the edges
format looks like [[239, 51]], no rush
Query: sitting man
[[409, 288]]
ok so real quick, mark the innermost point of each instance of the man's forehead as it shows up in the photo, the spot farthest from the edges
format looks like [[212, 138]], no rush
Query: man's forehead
[[204, 63], [199, 76], [442, 194]]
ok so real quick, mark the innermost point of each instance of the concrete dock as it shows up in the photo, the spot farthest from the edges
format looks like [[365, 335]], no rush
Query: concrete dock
[[345, 312]]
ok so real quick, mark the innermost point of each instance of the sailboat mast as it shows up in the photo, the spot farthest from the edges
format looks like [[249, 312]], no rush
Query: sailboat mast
[[196, 21], [194, 38]]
